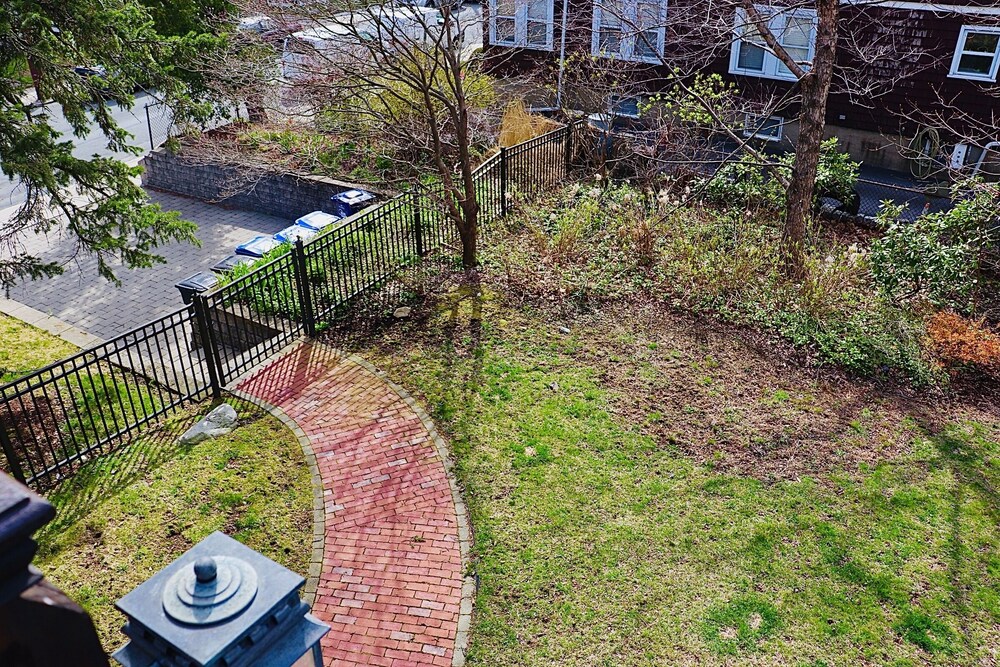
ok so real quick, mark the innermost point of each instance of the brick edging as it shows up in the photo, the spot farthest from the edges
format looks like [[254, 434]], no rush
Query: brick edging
[[319, 512], [461, 511]]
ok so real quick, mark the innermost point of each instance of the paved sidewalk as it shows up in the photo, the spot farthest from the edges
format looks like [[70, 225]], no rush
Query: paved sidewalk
[[391, 584], [85, 300]]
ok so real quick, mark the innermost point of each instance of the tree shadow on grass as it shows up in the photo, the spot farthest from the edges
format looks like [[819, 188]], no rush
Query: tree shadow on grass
[[965, 461]]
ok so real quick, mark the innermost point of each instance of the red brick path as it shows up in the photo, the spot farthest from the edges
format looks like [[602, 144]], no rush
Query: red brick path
[[391, 581]]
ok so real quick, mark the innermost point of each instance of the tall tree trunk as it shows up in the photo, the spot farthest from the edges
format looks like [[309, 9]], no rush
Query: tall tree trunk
[[815, 86]]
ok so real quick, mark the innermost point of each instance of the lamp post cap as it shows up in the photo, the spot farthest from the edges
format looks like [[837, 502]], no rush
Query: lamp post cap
[[205, 569]]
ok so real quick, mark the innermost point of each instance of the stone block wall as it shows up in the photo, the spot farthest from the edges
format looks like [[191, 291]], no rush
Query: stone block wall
[[281, 195]]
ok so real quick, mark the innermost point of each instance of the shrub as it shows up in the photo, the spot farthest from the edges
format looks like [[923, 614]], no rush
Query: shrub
[[745, 184], [937, 257], [600, 244], [957, 341]]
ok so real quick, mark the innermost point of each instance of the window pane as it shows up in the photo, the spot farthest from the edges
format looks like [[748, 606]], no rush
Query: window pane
[[646, 44], [976, 65], [797, 31], [751, 57], [610, 17], [610, 41], [505, 30], [751, 34], [648, 16], [981, 42], [798, 55], [538, 34], [538, 9], [505, 7]]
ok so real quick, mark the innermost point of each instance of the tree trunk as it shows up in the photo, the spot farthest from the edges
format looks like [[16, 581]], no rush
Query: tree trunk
[[469, 233], [812, 122]]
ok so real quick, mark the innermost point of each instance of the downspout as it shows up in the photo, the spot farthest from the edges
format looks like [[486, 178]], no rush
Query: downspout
[[562, 54]]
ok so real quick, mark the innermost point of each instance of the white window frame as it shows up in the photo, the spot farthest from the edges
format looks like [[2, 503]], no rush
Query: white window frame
[[773, 68], [752, 121], [630, 34], [520, 18], [960, 51]]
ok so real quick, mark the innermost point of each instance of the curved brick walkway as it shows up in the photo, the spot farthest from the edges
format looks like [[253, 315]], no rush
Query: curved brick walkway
[[391, 582]]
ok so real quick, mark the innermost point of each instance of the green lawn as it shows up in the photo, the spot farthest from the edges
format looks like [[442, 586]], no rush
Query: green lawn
[[128, 514], [24, 348], [651, 490]]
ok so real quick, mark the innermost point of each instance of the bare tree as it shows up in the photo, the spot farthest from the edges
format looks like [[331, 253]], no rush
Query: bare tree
[[406, 78], [809, 44]]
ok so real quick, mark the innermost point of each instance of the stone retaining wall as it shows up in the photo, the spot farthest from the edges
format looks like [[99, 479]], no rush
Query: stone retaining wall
[[281, 195]]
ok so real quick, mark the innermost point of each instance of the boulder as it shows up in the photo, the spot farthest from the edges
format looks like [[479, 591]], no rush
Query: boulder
[[218, 422]]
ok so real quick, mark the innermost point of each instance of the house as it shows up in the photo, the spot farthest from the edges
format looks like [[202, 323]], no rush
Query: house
[[923, 75]]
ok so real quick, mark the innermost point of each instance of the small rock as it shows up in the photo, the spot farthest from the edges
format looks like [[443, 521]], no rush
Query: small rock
[[564, 330], [218, 422], [402, 312], [554, 386]]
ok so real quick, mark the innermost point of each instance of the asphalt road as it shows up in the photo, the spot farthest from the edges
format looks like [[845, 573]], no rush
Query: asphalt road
[[133, 120]]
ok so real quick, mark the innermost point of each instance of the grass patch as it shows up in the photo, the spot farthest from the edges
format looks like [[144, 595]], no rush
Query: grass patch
[[24, 348], [126, 515], [625, 512], [740, 625]]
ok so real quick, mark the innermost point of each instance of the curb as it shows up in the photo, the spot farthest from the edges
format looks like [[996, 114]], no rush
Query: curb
[[49, 324], [319, 512]]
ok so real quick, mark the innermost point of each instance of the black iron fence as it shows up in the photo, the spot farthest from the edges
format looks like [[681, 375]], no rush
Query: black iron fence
[[55, 419], [59, 417]]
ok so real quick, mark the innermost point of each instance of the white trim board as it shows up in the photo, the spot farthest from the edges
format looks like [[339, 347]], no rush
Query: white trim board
[[926, 7]]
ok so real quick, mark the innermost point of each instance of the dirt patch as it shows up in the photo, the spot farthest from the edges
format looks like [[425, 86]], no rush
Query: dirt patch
[[743, 402]]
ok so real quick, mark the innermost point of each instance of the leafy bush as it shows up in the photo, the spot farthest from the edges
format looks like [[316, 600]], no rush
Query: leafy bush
[[938, 256], [745, 184], [957, 341]]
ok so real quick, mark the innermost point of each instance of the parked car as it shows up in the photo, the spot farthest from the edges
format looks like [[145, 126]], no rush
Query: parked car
[[307, 51], [269, 29]]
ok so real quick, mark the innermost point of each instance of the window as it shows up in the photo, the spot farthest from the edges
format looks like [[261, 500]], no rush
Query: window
[[523, 23], [795, 30], [629, 29], [977, 55], [625, 107], [763, 127]]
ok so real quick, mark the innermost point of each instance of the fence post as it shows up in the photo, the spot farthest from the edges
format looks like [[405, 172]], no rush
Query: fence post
[[503, 181], [212, 357], [149, 128], [13, 464], [569, 149], [301, 274], [418, 227]]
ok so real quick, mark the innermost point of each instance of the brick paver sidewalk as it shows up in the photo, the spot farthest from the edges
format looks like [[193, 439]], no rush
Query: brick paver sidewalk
[[391, 584]]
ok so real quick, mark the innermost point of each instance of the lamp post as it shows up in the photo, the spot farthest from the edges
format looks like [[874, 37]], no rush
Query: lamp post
[[221, 603], [39, 625]]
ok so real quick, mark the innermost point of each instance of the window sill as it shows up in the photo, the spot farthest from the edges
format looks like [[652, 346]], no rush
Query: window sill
[[530, 47], [763, 75], [657, 60], [980, 78]]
